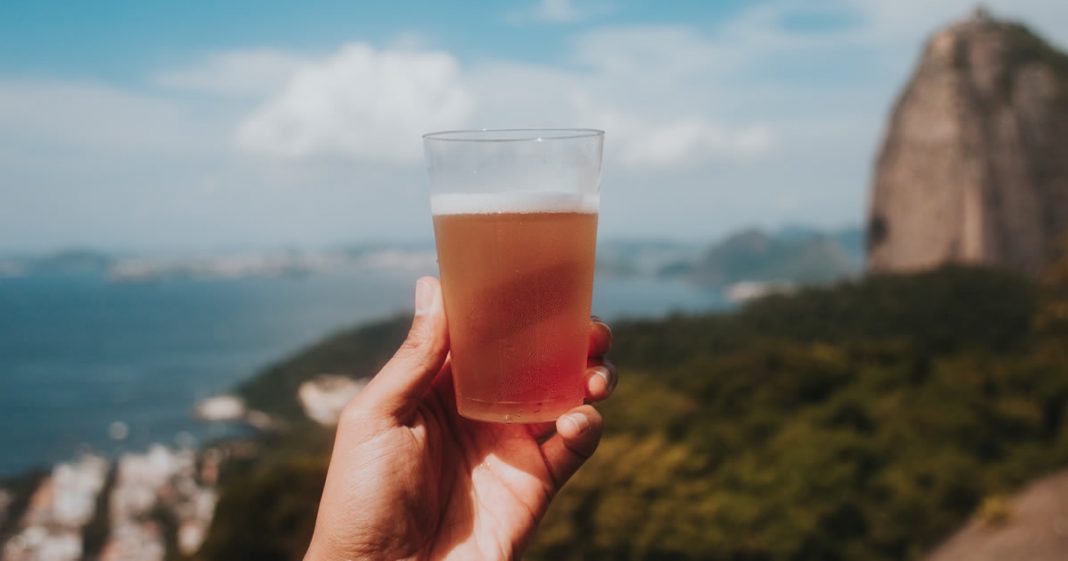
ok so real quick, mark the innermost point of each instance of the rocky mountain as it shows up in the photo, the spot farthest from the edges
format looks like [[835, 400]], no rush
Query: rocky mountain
[[792, 255], [974, 165]]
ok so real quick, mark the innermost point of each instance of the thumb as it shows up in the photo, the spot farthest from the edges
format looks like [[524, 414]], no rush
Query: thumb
[[402, 382]]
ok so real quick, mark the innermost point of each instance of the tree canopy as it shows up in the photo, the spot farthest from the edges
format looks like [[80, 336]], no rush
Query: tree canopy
[[861, 421]]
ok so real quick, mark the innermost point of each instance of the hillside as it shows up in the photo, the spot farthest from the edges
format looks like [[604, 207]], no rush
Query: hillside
[[862, 421], [792, 255]]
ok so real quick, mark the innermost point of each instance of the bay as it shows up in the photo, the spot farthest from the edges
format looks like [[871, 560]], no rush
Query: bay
[[79, 353]]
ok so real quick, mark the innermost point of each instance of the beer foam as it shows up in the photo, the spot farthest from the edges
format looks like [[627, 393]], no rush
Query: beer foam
[[524, 202]]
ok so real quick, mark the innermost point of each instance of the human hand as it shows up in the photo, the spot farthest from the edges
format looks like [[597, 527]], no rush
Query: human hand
[[411, 479]]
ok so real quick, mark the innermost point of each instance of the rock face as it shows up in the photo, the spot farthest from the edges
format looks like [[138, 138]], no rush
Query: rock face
[[1034, 529], [974, 166]]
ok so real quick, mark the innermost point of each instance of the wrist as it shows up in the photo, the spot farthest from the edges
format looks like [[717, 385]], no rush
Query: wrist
[[319, 551], [316, 553]]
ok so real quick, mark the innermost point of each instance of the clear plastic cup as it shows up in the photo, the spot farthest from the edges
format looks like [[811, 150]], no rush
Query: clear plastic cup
[[515, 219]]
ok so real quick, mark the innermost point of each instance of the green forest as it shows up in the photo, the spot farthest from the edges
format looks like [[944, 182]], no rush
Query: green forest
[[862, 421]]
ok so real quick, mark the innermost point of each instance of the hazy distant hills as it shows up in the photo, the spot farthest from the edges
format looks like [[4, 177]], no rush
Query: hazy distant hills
[[72, 261], [793, 255], [148, 267]]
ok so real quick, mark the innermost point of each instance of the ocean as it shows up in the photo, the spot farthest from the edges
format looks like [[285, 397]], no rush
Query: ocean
[[79, 353]]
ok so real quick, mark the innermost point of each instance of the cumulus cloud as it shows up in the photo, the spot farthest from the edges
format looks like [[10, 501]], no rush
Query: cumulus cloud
[[241, 73], [372, 105], [804, 101], [694, 141], [362, 103]]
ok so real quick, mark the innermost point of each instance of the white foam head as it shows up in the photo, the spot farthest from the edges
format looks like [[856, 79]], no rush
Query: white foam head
[[525, 202]]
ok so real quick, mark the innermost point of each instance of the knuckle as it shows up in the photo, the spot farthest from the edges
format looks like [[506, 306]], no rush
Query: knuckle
[[354, 414], [590, 411], [363, 417], [416, 338], [421, 349]]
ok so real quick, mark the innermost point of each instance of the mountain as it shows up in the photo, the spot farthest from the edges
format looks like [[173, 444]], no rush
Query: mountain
[[642, 257], [67, 262], [792, 255], [974, 165]]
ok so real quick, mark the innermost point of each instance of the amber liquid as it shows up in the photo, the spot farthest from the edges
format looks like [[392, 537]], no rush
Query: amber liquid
[[517, 290]]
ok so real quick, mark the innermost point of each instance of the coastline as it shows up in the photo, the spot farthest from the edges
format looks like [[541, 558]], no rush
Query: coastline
[[128, 508], [148, 505]]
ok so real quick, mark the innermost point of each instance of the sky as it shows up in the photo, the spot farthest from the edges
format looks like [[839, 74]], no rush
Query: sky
[[140, 126]]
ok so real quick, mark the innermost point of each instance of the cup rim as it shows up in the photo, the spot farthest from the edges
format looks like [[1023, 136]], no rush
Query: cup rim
[[511, 135]]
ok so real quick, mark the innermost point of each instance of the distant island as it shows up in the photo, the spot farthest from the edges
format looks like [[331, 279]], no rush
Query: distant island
[[744, 264], [793, 255], [149, 267]]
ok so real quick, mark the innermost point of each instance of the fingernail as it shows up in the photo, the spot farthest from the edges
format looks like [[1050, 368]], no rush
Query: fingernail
[[596, 319], [578, 422], [424, 297], [603, 373]]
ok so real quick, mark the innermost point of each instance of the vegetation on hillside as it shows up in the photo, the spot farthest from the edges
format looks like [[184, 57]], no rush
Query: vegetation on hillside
[[863, 421]]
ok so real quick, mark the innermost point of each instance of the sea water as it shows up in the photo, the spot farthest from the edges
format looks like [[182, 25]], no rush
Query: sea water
[[79, 354]]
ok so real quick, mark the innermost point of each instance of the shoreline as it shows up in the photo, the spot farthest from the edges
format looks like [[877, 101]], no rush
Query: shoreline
[[136, 506], [144, 505]]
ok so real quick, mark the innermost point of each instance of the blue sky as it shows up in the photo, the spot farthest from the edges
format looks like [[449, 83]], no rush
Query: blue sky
[[122, 40], [205, 125]]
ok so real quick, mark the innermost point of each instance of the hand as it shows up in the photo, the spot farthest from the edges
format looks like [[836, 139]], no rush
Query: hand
[[411, 479]]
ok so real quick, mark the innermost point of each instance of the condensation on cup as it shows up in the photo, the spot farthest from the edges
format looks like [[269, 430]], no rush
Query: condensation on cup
[[515, 220]]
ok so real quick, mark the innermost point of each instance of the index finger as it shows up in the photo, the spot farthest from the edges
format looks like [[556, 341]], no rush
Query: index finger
[[600, 338]]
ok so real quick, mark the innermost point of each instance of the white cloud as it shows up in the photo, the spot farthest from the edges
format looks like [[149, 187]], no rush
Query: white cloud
[[752, 119], [694, 141], [100, 119], [650, 87], [559, 11], [556, 11], [241, 73], [362, 103], [667, 50], [897, 20], [688, 142]]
